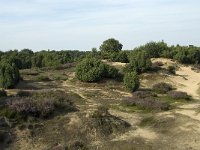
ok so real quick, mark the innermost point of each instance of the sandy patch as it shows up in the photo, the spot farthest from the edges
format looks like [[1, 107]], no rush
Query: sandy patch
[[115, 64], [186, 79], [190, 113]]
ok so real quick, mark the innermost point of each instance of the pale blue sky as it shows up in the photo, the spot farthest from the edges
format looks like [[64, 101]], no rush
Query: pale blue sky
[[83, 24]]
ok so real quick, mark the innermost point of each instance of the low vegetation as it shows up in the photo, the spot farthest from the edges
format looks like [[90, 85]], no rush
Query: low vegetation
[[106, 124], [178, 95], [36, 105], [162, 88], [146, 103]]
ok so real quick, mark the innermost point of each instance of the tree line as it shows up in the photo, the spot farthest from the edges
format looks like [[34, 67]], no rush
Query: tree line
[[26, 58], [138, 59]]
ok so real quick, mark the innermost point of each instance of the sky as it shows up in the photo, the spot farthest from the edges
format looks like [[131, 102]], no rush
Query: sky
[[84, 24]]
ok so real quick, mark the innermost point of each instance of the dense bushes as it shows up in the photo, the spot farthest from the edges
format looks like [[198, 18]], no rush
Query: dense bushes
[[154, 49], [110, 49], [178, 95], [162, 88], [9, 75], [3, 93], [92, 69], [26, 58], [131, 81], [121, 56], [139, 62]]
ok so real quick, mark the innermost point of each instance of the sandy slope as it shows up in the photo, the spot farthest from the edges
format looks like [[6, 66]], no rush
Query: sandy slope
[[186, 79]]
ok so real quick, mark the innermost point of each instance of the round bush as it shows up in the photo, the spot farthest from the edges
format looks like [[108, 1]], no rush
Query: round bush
[[131, 81], [92, 69]]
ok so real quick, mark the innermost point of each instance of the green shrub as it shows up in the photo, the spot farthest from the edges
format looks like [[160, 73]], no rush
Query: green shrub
[[131, 81], [92, 69], [162, 88], [171, 69], [121, 56], [3, 93], [9, 75], [139, 62], [111, 72]]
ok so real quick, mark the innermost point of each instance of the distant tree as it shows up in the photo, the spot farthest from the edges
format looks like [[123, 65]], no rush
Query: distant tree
[[94, 50], [111, 45]]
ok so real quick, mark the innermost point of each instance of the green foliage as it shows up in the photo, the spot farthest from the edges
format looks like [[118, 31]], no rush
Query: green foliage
[[139, 62], [111, 72], [131, 81], [121, 56], [9, 75], [92, 69], [111, 45], [26, 58]]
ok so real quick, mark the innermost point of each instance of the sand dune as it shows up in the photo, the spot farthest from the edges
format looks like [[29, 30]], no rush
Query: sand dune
[[186, 79]]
